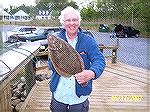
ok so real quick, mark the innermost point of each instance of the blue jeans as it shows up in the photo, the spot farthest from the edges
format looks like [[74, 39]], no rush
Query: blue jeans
[[61, 107]]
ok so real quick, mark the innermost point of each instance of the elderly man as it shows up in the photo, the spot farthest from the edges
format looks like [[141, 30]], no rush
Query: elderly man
[[70, 94]]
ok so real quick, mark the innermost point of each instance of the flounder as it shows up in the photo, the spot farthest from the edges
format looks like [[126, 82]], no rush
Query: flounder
[[65, 59]]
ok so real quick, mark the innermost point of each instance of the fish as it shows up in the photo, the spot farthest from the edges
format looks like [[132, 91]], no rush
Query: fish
[[65, 59]]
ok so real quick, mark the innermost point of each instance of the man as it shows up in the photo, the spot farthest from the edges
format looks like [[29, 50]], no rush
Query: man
[[69, 94]]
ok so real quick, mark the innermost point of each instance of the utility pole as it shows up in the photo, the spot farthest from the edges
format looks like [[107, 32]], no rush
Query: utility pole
[[132, 18]]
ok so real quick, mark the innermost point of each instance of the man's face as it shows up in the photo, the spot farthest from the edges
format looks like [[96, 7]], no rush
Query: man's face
[[71, 23]]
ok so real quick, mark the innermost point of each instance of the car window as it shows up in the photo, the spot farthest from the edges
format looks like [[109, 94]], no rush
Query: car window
[[40, 31], [15, 29], [50, 31], [27, 29], [22, 30], [57, 29], [33, 29]]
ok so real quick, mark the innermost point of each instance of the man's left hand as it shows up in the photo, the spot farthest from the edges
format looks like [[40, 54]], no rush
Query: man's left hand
[[84, 76]]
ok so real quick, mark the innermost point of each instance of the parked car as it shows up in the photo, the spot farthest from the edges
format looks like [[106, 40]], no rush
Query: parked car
[[103, 28], [20, 31], [40, 34], [130, 31], [121, 31]]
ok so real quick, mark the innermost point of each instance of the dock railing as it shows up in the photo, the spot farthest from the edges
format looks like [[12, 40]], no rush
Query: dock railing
[[16, 59], [44, 50], [113, 49]]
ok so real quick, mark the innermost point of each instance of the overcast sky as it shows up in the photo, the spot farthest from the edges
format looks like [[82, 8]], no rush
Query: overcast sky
[[7, 3]]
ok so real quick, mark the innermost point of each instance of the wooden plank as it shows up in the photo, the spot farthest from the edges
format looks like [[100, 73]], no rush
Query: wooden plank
[[37, 110], [108, 47], [104, 88], [39, 98], [23, 107], [5, 99], [129, 67], [116, 78], [130, 70], [117, 86], [135, 76]]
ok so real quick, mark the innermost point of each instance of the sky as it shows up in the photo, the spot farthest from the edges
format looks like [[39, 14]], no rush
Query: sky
[[7, 3]]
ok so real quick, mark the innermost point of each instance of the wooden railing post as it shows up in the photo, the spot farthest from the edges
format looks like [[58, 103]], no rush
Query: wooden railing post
[[114, 52], [114, 55]]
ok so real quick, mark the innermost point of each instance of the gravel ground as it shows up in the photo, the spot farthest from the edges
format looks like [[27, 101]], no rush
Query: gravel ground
[[132, 51]]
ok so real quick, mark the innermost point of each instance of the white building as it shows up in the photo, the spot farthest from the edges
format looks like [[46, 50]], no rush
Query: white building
[[21, 16], [43, 14]]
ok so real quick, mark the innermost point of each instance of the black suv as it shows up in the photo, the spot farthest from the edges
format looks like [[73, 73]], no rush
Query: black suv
[[121, 31], [129, 31]]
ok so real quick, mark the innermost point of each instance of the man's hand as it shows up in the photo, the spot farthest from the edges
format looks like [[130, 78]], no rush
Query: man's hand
[[84, 76]]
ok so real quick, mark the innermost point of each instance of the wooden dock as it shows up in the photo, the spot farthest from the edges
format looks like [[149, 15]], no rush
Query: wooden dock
[[121, 88]]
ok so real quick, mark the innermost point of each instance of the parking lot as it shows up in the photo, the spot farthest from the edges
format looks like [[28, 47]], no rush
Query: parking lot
[[132, 51]]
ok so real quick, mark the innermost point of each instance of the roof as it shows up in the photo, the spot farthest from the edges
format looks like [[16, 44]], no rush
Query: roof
[[21, 13], [43, 12]]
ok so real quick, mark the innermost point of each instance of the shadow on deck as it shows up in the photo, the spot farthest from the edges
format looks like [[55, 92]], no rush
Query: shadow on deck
[[121, 88]]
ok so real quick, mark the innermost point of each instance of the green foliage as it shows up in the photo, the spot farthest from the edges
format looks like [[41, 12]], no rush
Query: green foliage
[[55, 5], [1, 45], [89, 13], [27, 9]]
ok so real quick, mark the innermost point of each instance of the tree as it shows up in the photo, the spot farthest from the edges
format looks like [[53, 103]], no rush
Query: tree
[[89, 13], [46, 4], [54, 5], [27, 9], [6, 9]]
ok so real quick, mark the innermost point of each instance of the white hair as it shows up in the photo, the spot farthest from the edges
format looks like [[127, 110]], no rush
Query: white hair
[[67, 10]]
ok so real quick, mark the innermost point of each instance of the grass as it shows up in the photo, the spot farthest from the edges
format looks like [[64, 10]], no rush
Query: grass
[[48, 23], [1, 45], [1, 22]]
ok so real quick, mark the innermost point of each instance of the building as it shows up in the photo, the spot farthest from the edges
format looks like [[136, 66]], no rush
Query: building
[[4, 15], [21, 16], [43, 14]]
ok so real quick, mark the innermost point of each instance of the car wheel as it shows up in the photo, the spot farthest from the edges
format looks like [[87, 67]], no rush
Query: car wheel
[[125, 35], [137, 35]]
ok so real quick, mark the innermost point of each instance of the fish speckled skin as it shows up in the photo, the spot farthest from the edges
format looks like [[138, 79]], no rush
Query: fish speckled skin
[[65, 59]]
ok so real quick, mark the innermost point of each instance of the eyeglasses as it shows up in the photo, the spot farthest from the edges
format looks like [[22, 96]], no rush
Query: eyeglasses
[[71, 20]]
